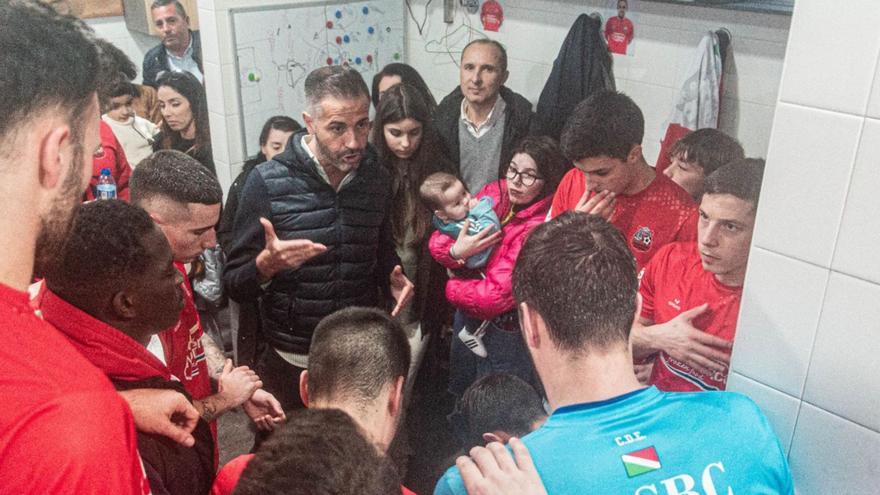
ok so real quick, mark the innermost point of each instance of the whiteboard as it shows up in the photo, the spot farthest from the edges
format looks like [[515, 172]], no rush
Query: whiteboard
[[277, 47]]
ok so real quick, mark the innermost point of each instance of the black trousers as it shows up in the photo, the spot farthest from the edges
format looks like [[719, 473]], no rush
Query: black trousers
[[281, 379]]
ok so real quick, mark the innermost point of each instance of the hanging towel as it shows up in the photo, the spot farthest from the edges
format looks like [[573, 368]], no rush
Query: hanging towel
[[698, 102], [582, 67]]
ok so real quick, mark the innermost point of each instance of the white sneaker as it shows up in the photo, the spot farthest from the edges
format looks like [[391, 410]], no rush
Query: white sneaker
[[474, 341]]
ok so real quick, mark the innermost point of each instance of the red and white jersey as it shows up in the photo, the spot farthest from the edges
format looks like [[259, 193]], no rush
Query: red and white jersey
[[650, 219], [673, 282]]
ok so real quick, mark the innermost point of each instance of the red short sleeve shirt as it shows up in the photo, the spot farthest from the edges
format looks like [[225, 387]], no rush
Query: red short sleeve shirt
[[673, 282]]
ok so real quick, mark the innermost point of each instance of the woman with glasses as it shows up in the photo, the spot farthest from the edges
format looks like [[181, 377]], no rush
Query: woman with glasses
[[484, 302]]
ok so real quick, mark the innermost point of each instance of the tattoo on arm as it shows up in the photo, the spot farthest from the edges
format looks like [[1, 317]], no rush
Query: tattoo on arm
[[215, 357], [209, 408]]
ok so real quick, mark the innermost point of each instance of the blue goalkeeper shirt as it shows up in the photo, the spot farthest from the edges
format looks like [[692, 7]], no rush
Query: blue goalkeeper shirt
[[650, 442]]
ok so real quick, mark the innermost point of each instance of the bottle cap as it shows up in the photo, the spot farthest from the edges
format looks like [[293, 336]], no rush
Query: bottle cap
[[105, 171]]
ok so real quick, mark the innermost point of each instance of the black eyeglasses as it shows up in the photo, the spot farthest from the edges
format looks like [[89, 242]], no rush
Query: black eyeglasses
[[526, 178]]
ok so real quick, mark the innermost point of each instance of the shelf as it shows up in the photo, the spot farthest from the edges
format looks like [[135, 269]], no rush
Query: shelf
[[783, 7]]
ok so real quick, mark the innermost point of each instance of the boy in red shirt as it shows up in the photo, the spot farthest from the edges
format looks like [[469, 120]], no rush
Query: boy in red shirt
[[603, 137], [691, 291], [695, 156]]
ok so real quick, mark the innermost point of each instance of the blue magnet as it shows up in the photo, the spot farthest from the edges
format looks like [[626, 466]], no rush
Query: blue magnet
[[339, 14], [371, 30], [365, 10], [357, 60], [346, 38]]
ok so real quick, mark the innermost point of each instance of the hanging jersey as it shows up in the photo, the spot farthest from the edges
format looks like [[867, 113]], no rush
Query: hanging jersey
[[661, 213], [673, 282], [650, 442]]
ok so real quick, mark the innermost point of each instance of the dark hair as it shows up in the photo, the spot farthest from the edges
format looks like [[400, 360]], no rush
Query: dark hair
[[740, 178], [607, 123], [177, 6], [176, 176], [190, 88], [552, 164], [591, 303], [281, 123], [116, 60], [335, 81], [499, 402], [407, 75], [123, 88], [103, 251], [354, 353], [433, 187], [707, 148], [403, 101], [318, 452], [502, 53], [49, 64]]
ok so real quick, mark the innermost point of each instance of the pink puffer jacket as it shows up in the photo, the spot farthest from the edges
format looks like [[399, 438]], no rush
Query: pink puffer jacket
[[492, 296]]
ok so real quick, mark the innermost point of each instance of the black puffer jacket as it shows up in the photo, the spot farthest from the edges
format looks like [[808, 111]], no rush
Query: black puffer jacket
[[517, 125], [353, 223]]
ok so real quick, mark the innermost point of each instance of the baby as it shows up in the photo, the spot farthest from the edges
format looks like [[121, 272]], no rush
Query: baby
[[453, 205]]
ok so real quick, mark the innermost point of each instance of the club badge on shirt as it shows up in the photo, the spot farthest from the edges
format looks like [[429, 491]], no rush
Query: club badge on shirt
[[642, 239]]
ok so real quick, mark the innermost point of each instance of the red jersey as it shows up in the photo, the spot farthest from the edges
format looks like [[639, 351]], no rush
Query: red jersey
[[673, 282], [650, 219], [183, 346], [112, 156], [231, 472], [63, 427], [618, 34]]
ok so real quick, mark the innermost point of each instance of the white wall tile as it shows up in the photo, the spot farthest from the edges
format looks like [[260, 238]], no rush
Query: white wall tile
[[751, 123], [832, 455], [874, 98], [828, 65], [219, 136], [778, 320], [859, 236], [845, 367], [208, 34], [781, 409], [809, 161], [214, 86]]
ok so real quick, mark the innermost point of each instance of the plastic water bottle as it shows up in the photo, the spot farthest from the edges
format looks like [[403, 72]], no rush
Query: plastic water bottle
[[106, 185]]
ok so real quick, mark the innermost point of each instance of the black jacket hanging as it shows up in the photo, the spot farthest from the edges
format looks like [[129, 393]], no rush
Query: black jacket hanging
[[582, 67]]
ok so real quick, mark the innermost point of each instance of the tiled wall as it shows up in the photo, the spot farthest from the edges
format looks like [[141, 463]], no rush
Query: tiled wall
[[132, 43], [808, 344], [666, 41]]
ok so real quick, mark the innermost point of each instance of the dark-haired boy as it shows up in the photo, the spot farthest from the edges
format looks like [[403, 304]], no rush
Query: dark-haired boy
[[114, 287], [319, 452], [697, 155], [497, 407], [603, 137], [607, 432], [691, 291]]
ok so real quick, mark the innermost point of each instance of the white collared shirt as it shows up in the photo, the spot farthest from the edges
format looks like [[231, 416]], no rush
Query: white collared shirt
[[345, 180], [478, 130], [186, 63]]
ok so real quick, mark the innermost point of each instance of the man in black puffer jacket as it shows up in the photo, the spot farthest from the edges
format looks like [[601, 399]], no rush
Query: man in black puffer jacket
[[312, 232]]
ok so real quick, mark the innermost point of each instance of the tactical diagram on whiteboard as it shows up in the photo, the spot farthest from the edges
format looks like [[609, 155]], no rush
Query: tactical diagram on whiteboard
[[276, 49]]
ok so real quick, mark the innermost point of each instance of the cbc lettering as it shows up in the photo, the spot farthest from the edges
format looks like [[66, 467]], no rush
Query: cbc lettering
[[685, 484]]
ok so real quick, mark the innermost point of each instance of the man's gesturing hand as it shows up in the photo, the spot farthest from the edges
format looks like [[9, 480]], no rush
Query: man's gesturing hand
[[163, 412], [401, 290], [491, 470], [682, 341], [283, 255]]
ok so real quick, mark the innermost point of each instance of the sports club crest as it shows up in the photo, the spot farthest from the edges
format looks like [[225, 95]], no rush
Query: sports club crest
[[641, 462], [642, 239]]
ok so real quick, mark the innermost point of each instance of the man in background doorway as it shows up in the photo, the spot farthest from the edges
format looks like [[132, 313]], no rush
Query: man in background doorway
[[181, 48]]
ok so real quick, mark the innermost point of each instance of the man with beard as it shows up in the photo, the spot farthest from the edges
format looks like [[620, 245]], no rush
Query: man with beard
[[63, 428], [312, 233]]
